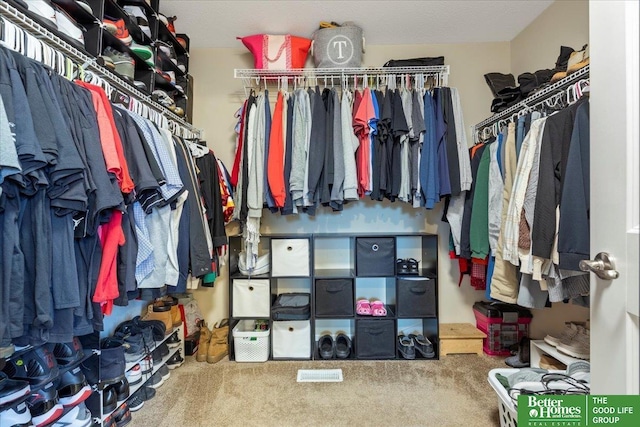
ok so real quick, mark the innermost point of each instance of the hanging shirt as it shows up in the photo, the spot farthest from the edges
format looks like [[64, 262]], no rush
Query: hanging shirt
[[363, 114], [350, 144], [275, 168]]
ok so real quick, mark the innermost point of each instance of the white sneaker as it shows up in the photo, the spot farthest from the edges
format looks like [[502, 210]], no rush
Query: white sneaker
[[44, 9], [570, 330], [579, 346], [69, 27]]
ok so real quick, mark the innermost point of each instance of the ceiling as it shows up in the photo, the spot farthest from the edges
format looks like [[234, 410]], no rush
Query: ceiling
[[216, 23]]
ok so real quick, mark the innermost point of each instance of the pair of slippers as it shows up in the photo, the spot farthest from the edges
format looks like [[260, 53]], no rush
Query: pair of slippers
[[375, 307]]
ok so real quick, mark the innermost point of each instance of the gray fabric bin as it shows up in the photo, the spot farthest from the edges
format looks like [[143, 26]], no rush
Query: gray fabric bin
[[334, 297]]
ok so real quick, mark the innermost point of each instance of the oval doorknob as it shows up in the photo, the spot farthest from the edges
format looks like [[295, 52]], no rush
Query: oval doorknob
[[602, 265]]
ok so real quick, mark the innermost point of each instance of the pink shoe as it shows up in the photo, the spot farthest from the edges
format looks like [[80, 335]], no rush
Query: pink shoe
[[363, 308], [378, 309]]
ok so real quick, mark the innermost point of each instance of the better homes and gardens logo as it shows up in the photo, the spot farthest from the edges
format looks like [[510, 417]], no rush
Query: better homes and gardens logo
[[551, 411], [578, 411]]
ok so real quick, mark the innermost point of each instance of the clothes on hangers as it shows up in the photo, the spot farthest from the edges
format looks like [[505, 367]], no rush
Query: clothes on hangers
[[96, 204], [544, 226], [326, 147]]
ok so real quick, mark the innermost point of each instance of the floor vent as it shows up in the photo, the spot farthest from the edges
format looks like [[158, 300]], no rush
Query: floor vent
[[319, 375]]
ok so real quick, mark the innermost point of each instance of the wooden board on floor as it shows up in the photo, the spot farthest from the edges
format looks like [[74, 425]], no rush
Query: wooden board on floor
[[456, 338]]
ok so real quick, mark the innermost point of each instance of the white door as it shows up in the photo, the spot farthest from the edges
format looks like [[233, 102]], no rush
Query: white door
[[615, 212]]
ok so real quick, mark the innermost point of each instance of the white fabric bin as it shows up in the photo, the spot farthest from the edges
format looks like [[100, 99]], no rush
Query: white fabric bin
[[251, 298], [290, 257], [291, 339]]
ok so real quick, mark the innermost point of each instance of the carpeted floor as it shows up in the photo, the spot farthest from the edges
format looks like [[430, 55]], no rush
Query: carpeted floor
[[450, 392]]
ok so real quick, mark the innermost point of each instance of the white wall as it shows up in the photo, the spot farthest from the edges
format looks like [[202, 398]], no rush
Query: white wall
[[218, 96]]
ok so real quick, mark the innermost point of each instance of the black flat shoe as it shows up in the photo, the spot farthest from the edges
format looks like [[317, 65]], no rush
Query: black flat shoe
[[326, 347], [343, 346]]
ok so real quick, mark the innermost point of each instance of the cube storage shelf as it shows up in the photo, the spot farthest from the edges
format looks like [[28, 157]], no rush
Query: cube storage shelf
[[337, 270]]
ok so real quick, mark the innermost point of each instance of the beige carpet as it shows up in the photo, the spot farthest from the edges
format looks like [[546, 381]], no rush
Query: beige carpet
[[450, 392]]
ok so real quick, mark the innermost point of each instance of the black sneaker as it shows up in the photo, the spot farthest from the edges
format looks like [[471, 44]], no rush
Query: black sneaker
[[122, 390], [164, 372], [109, 399], [135, 402], [173, 341], [155, 381], [12, 390], [158, 327], [122, 415], [160, 352], [67, 354], [175, 361], [37, 366], [73, 388], [145, 393], [44, 406]]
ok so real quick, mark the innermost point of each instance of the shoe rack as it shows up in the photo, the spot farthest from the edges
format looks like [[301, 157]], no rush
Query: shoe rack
[[104, 418], [97, 38], [540, 347], [337, 270]]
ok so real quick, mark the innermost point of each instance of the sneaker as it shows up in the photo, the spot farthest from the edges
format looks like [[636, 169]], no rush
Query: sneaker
[[423, 345], [567, 334], [146, 364], [173, 341], [7, 351], [110, 26], [17, 414], [160, 353], [143, 51], [124, 64], [143, 394], [155, 381], [122, 390], [44, 9], [68, 417], [164, 372], [141, 18], [175, 361], [134, 375], [76, 416], [134, 347], [406, 347], [122, 33], [11, 390], [135, 402], [67, 354], [112, 360], [73, 387], [84, 5], [37, 366], [109, 400], [44, 406], [158, 327], [578, 346], [68, 26], [140, 85], [162, 98], [122, 415]]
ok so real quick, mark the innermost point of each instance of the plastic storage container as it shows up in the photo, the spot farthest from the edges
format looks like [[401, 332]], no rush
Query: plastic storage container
[[250, 345], [504, 324], [508, 411]]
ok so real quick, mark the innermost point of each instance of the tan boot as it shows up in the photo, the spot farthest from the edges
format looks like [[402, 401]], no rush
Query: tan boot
[[158, 311], [203, 343], [219, 345]]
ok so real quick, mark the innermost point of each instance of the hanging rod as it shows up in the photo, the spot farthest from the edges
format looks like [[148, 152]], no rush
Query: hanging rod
[[339, 72], [19, 19], [536, 98]]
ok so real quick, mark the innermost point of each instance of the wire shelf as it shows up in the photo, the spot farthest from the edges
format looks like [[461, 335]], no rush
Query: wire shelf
[[536, 98], [28, 25], [240, 73]]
